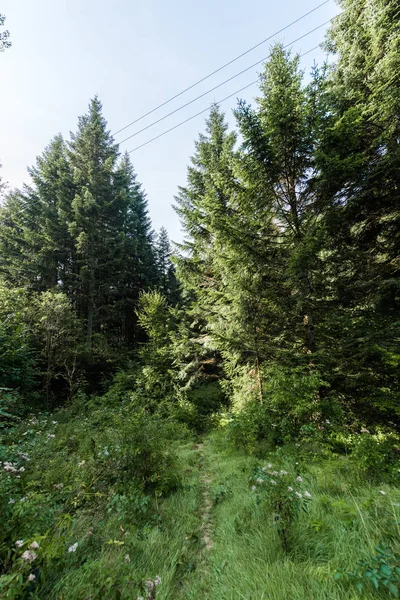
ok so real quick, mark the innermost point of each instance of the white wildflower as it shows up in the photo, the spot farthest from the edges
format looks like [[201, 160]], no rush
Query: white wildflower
[[51, 435], [307, 494], [73, 547], [22, 469], [58, 486], [19, 543], [34, 545], [283, 472], [81, 463], [253, 488], [259, 480], [382, 492], [363, 430], [157, 580], [31, 577], [127, 558], [23, 499], [299, 495], [270, 466], [299, 479], [149, 584], [11, 501], [290, 489], [273, 482], [29, 556]]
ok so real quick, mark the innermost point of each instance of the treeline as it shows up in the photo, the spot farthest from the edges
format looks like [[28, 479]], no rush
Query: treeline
[[290, 265], [76, 250], [287, 307]]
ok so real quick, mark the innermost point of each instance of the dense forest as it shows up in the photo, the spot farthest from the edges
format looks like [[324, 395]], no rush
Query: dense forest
[[217, 418]]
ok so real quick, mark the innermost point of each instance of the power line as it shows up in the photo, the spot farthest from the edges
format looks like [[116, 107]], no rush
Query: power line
[[220, 85], [206, 109], [222, 67]]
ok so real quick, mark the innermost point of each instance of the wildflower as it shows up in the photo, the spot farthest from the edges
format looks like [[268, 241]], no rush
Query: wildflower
[[81, 463], [9, 467], [253, 488], [23, 499], [283, 472], [22, 469], [273, 482], [11, 501], [51, 435], [299, 495], [265, 469], [29, 556], [260, 481], [327, 421], [149, 584], [31, 577], [26, 433], [363, 430], [157, 580], [34, 545], [54, 422], [127, 558], [19, 543], [307, 494], [58, 486], [270, 466], [73, 547], [290, 489], [299, 479], [382, 492]]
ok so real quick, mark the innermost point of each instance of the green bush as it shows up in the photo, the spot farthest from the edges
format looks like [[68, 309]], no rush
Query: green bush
[[291, 406], [376, 454]]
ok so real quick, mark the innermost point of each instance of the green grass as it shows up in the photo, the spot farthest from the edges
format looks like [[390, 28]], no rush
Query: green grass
[[345, 523], [122, 543]]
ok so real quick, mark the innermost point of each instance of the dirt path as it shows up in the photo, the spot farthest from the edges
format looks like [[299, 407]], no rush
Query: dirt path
[[205, 510]]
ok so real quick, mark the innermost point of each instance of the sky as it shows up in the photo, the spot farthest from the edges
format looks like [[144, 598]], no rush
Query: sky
[[136, 55]]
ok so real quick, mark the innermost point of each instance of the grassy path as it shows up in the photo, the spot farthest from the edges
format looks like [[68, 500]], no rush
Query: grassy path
[[236, 553], [212, 539]]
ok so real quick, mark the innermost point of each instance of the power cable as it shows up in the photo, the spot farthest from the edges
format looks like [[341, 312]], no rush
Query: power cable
[[219, 85], [206, 109], [222, 67]]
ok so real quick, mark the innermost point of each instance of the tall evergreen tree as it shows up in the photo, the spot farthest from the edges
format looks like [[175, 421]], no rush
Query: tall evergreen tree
[[93, 156]]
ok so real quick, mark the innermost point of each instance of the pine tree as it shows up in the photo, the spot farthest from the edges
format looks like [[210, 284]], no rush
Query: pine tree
[[167, 281], [93, 157], [359, 163], [138, 271], [36, 248]]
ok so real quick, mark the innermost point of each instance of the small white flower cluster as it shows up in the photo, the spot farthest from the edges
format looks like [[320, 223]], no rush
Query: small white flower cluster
[[269, 473], [73, 547], [23, 456], [58, 486], [29, 556], [10, 467], [150, 585]]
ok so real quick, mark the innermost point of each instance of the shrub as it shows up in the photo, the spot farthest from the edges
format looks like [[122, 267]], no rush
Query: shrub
[[291, 405]]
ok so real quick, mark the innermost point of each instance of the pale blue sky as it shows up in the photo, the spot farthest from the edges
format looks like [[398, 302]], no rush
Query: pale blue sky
[[134, 55]]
